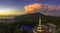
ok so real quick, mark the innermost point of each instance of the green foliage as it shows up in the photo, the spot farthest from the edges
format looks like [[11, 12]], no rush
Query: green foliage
[[15, 26]]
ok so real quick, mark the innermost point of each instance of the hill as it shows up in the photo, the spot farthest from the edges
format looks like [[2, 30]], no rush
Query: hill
[[30, 19]]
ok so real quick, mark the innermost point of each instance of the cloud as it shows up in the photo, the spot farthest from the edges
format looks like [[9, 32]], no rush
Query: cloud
[[33, 7], [58, 7], [46, 9], [51, 8], [40, 7]]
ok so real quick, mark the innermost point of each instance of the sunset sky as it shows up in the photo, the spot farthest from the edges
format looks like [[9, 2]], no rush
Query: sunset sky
[[47, 7]]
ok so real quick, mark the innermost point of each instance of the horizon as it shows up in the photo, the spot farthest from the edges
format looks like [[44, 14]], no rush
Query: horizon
[[50, 7]]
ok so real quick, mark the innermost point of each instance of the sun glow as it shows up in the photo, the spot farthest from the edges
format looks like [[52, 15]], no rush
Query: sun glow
[[9, 12]]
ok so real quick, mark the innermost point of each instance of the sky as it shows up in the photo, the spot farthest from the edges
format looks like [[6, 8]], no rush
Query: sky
[[19, 5]]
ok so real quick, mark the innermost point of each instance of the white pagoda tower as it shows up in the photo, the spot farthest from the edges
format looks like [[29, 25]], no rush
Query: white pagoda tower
[[39, 27]]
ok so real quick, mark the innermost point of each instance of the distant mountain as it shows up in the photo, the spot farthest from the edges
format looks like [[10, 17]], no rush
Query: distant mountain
[[29, 16], [29, 19], [34, 18]]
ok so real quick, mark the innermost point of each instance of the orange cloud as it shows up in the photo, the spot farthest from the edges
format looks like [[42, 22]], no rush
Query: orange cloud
[[52, 7], [58, 7], [33, 7], [40, 7]]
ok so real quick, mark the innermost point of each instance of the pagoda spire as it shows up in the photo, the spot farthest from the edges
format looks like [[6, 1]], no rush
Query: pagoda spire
[[39, 28]]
